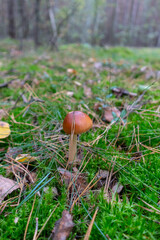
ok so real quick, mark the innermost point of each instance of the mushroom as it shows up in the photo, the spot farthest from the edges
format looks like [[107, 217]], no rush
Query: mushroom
[[75, 122]]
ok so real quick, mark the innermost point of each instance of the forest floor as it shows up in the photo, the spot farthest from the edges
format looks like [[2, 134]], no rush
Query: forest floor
[[117, 176]]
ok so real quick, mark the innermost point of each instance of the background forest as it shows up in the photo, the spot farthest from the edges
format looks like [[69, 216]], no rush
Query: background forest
[[97, 22]]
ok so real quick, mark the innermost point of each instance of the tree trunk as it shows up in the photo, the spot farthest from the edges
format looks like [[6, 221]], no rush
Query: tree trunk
[[111, 15], [93, 28], [11, 19], [37, 20], [53, 24]]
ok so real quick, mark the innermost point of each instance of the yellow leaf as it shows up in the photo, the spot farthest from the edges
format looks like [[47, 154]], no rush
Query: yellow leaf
[[4, 130], [25, 158]]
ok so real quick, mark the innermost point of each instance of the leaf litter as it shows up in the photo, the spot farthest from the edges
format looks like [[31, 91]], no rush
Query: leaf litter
[[4, 130], [63, 227], [7, 186]]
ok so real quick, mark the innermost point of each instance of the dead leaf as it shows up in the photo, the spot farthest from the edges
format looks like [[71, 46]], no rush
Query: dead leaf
[[15, 170], [36, 81], [66, 175], [13, 152], [16, 220], [97, 106], [2, 114], [150, 74], [158, 75], [77, 83], [25, 158], [4, 130], [108, 113], [69, 93], [109, 197], [120, 92], [117, 188], [71, 71], [144, 68], [103, 174], [84, 65], [53, 190], [17, 83], [15, 53], [2, 149], [6, 187], [136, 156], [91, 60], [79, 180], [87, 91], [113, 192], [90, 81], [98, 65], [63, 227]]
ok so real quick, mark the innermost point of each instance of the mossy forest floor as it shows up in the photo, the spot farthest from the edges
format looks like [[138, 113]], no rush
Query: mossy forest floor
[[118, 168]]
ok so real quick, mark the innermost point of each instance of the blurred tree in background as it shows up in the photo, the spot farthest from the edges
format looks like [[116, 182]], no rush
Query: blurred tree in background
[[96, 22]]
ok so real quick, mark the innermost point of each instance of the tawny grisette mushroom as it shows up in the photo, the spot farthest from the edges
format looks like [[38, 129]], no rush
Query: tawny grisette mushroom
[[75, 123]]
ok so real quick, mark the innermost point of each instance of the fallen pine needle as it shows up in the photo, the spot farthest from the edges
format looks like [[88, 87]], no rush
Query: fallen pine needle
[[29, 218], [36, 230], [90, 226]]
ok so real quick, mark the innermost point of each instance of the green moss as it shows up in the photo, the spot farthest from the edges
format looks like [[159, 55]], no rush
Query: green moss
[[37, 129]]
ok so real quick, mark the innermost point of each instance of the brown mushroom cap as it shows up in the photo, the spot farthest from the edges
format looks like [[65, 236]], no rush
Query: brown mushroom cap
[[77, 121]]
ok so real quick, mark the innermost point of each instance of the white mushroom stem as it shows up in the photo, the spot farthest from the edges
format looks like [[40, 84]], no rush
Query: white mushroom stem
[[72, 147]]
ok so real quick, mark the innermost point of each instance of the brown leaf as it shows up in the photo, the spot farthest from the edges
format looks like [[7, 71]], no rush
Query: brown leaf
[[108, 116], [66, 175], [17, 83], [77, 83], [98, 65], [69, 93], [84, 65], [13, 152], [91, 60], [114, 191], [97, 106], [36, 81], [71, 71], [63, 227], [16, 220], [103, 174], [15, 170], [53, 190], [79, 179], [158, 75], [137, 156], [150, 74], [15, 53], [109, 197], [120, 92], [2, 114], [117, 188], [6, 187], [87, 91], [144, 68], [90, 81]]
